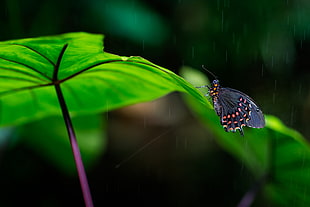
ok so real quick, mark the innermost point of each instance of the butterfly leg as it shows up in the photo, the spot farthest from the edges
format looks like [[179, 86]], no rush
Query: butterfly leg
[[241, 131]]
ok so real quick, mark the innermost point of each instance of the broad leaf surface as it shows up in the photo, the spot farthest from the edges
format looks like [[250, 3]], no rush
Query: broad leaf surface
[[276, 151], [91, 80]]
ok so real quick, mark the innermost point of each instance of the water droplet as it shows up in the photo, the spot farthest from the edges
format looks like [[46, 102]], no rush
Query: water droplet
[[226, 55], [193, 52], [234, 38], [144, 122], [222, 21], [143, 45], [286, 58], [274, 93], [185, 143], [213, 46], [275, 85]]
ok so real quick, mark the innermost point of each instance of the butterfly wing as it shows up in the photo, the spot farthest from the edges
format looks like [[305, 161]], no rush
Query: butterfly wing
[[237, 109]]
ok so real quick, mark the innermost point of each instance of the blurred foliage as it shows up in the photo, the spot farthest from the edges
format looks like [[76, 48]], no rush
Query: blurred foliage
[[49, 138], [130, 20], [258, 47], [278, 156]]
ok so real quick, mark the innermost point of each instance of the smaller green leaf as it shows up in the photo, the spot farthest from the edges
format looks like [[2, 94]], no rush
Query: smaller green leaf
[[275, 124], [276, 151]]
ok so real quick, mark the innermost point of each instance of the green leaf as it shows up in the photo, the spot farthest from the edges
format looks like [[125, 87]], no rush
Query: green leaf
[[135, 22], [49, 138], [276, 151], [91, 80]]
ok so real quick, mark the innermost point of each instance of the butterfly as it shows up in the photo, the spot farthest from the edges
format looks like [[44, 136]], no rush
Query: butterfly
[[235, 109]]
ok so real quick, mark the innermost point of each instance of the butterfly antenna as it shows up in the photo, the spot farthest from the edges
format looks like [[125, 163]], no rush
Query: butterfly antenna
[[203, 67]]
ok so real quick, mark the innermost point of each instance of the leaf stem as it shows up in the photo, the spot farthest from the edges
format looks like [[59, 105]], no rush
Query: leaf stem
[[75, 149]]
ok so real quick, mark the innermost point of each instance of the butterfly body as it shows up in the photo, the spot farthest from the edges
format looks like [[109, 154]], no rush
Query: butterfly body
[[235, 108]]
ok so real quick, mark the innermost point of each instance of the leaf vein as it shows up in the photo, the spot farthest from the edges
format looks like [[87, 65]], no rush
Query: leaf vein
[[23, 88], [19, 79], [23, 72], [28, 66], [35, 51]]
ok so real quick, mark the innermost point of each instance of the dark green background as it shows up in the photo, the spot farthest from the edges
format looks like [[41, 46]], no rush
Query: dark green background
[[260, 47]]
